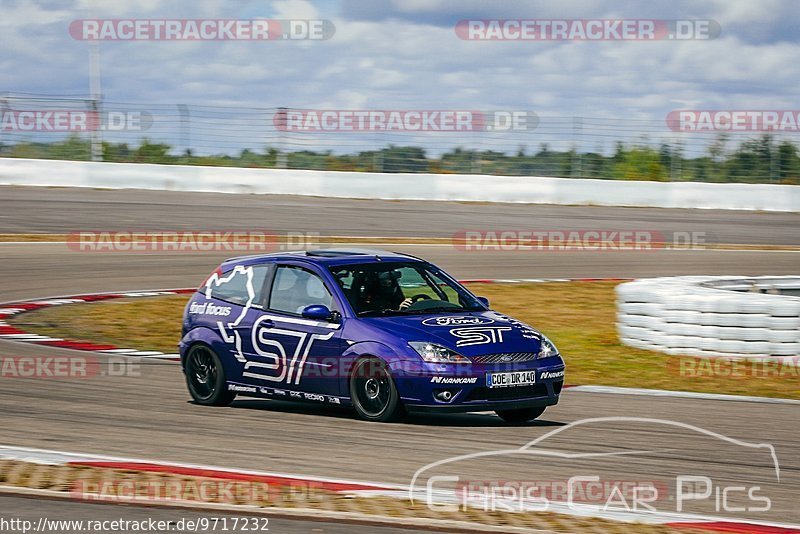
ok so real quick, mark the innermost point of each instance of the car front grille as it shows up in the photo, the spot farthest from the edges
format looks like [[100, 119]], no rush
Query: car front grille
[[505, 357]]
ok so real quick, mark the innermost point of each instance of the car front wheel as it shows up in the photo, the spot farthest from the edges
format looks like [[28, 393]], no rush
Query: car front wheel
[[373, 392]]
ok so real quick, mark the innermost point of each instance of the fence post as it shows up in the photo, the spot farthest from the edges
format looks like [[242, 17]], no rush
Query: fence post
[[476, 162], [96, 96], [575, 164], [773, 158], [3, 110], [186, 131], [280, 157], [675, 160]]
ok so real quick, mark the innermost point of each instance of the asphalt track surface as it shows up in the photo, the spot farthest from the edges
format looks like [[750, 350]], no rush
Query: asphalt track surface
[[148, 414], [45, 209]]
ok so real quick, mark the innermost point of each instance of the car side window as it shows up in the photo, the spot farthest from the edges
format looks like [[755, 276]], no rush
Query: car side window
[[294, 288], [232, 286]]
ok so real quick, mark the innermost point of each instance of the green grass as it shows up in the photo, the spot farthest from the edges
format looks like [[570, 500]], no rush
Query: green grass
[[578, 316], [146, 323]]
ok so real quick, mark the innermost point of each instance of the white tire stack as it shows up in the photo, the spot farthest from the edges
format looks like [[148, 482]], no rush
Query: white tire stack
[[712, 316]]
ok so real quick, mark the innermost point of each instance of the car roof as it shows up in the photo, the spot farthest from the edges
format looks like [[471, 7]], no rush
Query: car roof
[[327, 257]]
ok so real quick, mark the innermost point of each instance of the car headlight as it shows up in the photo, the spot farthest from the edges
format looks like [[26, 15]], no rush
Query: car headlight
[[547, 348], [433, 353]]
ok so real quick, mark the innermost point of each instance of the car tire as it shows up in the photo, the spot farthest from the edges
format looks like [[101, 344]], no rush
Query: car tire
[[373, 392], [205, 377], [520, 415]]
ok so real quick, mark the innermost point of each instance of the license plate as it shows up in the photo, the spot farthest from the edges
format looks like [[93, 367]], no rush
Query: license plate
[[517, 378]]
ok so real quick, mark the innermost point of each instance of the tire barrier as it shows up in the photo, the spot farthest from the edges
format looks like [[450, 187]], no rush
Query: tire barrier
[[712, 316], [401, 186]]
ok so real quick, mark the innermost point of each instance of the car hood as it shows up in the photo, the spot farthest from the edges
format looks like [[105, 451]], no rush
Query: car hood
[[470, 333]]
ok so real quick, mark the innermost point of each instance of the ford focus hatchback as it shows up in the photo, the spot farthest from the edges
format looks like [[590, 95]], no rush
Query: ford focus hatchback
[[379, 331]]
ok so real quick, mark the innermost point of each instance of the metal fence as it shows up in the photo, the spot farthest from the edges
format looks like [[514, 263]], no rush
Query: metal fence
[[578, 147]]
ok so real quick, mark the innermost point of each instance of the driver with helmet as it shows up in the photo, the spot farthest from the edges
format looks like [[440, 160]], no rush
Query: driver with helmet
[[381, 290]]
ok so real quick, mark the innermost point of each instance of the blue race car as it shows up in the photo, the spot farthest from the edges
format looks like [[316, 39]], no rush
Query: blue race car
[[379, 331]]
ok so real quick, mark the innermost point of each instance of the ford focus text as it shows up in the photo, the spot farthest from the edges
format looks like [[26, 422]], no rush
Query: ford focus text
[[379, 331]]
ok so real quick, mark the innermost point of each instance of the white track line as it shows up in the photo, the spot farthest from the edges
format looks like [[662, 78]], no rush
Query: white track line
[[612, 390], [57, 457]]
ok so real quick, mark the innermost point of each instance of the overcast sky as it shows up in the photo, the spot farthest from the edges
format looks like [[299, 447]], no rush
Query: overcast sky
[[405, 54]]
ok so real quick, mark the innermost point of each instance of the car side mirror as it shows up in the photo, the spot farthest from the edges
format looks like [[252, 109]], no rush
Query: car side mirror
[[318, 312], [484, 301]]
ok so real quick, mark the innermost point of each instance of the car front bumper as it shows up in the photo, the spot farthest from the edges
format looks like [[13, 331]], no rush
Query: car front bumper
[[418, 388]]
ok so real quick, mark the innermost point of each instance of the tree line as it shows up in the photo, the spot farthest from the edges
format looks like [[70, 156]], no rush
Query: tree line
[[759, 160]]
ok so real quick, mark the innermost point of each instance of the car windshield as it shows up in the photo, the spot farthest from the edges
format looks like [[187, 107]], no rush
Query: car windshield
[[397, 288]]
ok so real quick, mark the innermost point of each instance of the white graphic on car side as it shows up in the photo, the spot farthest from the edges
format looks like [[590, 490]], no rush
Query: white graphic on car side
[[215, 280], [286, 369], [289, 370]]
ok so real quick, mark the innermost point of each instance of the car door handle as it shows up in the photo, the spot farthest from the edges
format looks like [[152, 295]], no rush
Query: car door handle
[[248, 326]]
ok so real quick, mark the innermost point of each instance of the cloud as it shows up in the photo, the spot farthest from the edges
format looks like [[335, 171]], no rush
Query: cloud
[[294, 9], [406, 55]]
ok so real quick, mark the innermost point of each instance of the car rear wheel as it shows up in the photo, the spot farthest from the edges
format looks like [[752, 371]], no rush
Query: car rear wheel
[[373, 392], [205, 377], [520, 415]]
